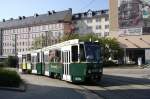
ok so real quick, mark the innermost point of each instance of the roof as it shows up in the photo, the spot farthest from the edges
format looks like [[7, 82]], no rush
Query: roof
[[139, 41], [62, 16], [84, 15], [135, 41]]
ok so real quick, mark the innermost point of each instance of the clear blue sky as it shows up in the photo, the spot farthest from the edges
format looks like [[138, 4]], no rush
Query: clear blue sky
[[15, 8]]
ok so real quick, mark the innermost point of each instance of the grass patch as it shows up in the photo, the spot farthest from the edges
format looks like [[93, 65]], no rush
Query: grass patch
[[9, 78]]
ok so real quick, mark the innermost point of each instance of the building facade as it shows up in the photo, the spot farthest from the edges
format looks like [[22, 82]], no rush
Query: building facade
[[129, 24], [96, 22], [17, 35]]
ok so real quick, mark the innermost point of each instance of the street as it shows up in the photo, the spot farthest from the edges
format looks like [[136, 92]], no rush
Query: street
[[116, 84]]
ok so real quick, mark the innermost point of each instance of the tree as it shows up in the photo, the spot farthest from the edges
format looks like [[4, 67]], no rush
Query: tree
[[112, 48], [69, 36], [43, 41]]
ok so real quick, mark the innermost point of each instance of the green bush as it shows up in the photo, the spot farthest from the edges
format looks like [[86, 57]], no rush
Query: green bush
[[9, 78], [12, 61], [1, 64]]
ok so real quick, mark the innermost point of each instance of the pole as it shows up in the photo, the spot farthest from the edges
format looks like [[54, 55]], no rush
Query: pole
[[1, 41], [46, 38], [15, 45], [125, 56], [28, 37]]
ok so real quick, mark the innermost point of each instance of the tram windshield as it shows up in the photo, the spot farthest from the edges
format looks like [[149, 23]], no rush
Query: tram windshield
[[92, 51]]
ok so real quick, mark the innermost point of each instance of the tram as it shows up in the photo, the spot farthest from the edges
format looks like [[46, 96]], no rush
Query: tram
[[72, 61]]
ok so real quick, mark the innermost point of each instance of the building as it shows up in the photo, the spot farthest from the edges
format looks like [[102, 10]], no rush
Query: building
[[17, 35], [130, 25], [96, 22]]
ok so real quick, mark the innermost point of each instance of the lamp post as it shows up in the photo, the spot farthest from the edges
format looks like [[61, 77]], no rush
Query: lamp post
[[15, 45]]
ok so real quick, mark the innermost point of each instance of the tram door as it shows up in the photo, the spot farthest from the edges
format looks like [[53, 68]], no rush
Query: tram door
[[34, 61], [66, 62]]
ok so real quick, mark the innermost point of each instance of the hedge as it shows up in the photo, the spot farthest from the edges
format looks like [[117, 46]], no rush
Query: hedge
[[9, 78]]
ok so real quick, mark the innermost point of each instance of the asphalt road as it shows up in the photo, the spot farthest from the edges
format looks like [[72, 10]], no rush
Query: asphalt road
[[115, 84]]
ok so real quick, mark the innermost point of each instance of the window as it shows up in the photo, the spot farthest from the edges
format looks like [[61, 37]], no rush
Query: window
[[76, 15], [38, 57], [89, 27], [98, 27], [28, 57], [106, 19], [106, 33], [74, 53], [98, 34], [92, 52], [89, 21], [83, 15], [46, 58], [82, 53], [23, 43], [50, 26], [106, 26], [98, 20], [90, 14]]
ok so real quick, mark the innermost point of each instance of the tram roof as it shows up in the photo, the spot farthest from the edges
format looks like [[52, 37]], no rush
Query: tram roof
[[59, 45], [56, 46]]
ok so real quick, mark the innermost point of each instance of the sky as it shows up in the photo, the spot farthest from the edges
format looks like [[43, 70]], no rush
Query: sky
[[14, 8]]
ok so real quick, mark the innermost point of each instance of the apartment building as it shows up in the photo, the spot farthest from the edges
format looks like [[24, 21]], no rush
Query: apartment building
[[17, 35], [96, 22], [130, 25]]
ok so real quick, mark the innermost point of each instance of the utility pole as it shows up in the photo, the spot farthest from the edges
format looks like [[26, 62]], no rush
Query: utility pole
[[46, 43], [15, 45], [28, 37], [1, 40]]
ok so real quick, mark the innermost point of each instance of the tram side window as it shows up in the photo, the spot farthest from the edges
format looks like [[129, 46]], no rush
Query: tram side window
[[28, 57], [23, 58], [82, 53], [45, 58], [58, 56], [20, 59], [32, 58], [74, 53], [38, 57], [42, 56]]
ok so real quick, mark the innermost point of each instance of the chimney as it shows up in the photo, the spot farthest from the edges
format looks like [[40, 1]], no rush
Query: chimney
[[36, 15], [49, 13], [23, 17], [4, 20], [11, 18], [70, 9], [53, 11], [20, 18]]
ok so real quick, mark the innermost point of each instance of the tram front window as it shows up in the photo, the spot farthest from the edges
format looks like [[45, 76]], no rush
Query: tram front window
[[92, 52]]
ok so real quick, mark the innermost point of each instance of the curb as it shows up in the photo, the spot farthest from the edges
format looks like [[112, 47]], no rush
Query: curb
[[21, 88]]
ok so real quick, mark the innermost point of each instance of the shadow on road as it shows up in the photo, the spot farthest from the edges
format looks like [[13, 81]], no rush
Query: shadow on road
[[119, 87], [42, 92], [111, 80], [121, 90]]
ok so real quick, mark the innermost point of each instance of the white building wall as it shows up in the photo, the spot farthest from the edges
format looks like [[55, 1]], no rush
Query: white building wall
[[25, 36], [83, 25]]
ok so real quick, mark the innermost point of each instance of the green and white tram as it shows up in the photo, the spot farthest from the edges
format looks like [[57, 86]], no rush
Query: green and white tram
[[71, 61]]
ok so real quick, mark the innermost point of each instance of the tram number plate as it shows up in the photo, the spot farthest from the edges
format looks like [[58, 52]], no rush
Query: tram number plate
[[77, 78]]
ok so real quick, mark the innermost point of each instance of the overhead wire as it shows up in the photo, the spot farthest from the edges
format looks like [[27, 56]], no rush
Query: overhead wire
[[88, 4]]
